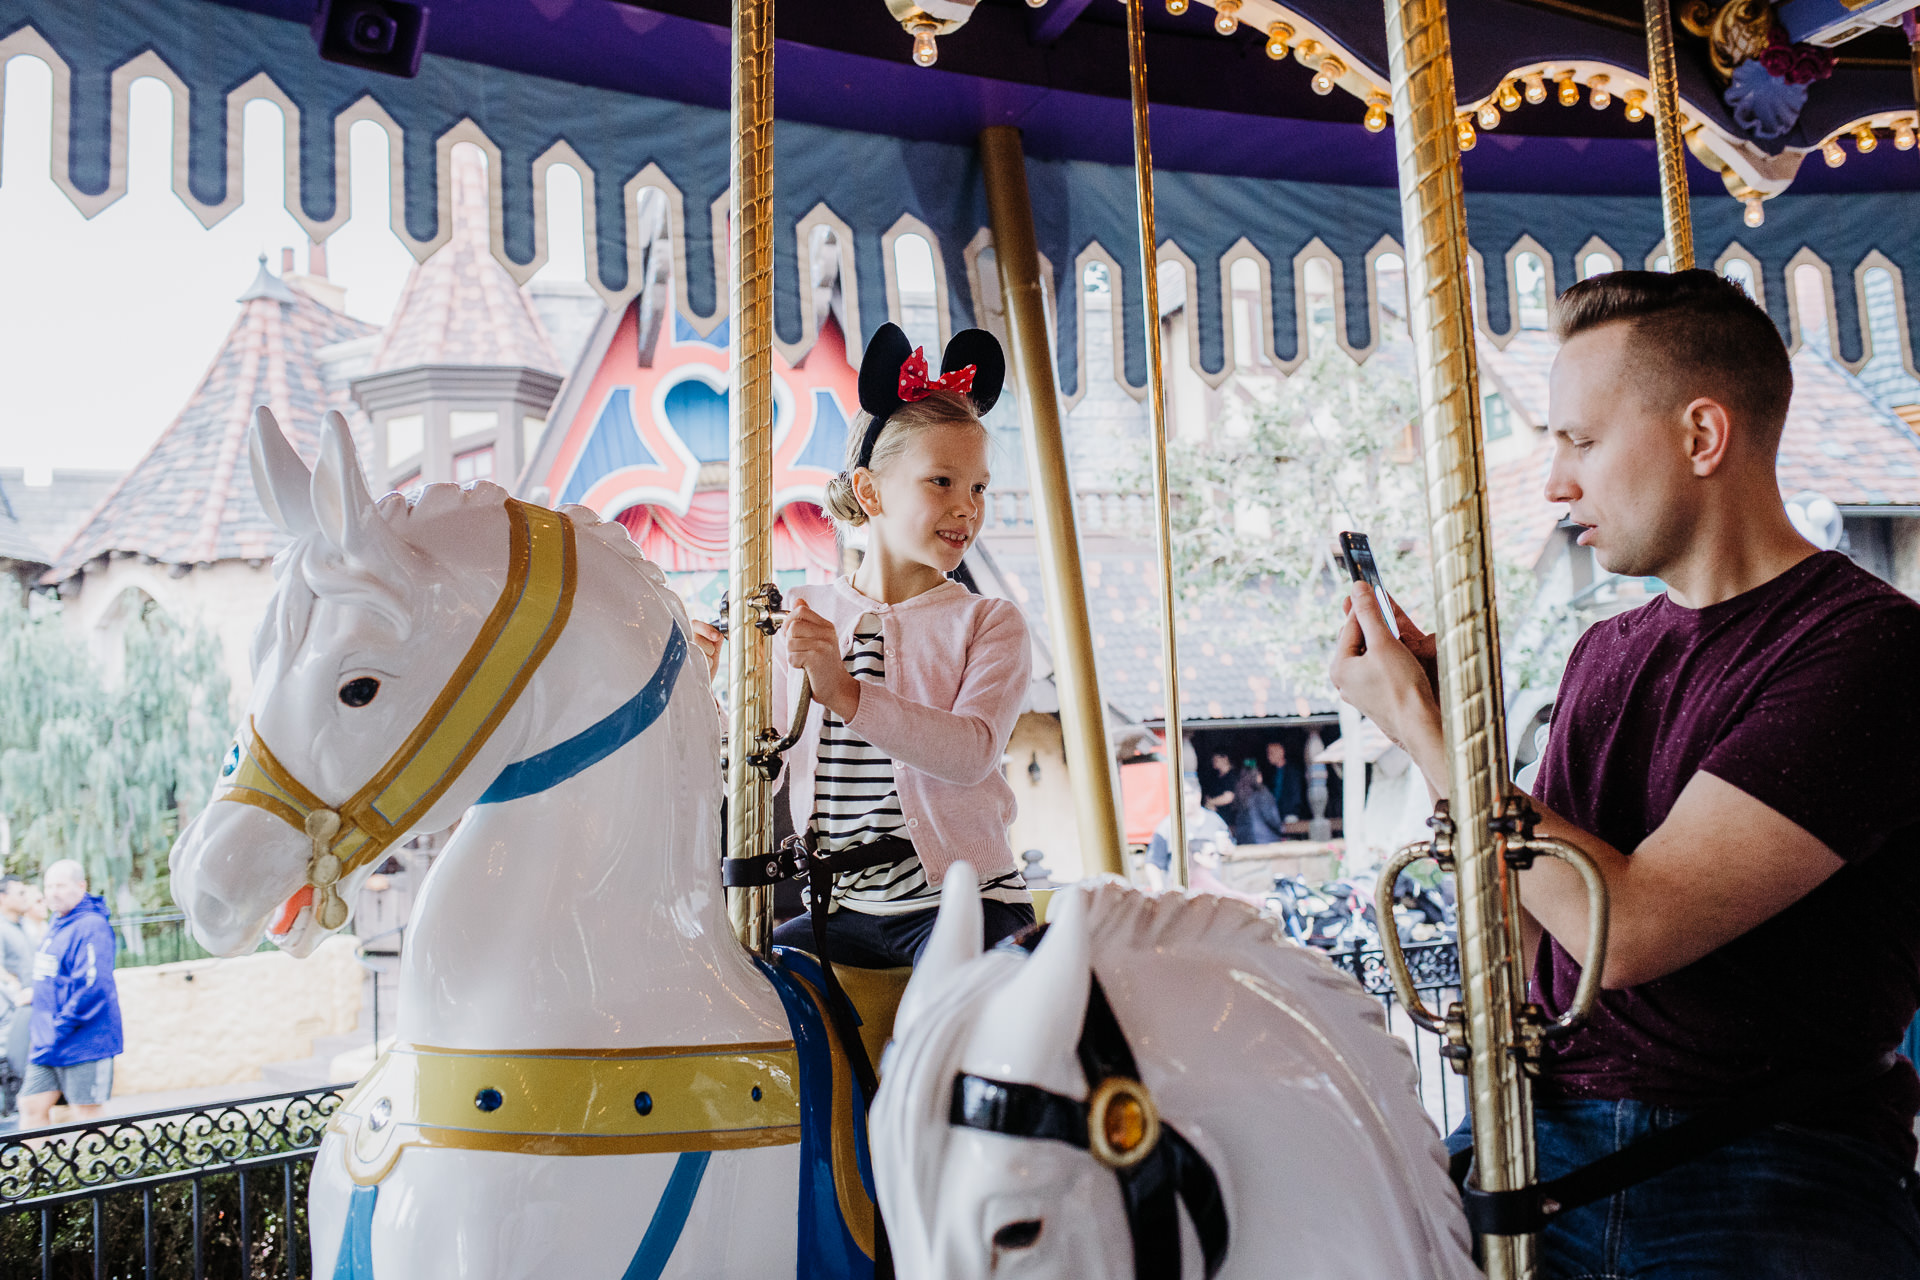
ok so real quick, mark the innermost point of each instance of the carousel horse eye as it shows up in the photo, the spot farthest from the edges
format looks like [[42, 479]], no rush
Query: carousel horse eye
[[359, 692], [232, 762], [1017, 1235]]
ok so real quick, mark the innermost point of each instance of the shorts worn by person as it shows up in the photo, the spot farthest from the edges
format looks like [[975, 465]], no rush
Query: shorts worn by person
[[76, 1007], [1738, 758]]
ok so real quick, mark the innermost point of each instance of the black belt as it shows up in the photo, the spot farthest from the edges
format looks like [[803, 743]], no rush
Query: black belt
[[1529, 1209], [1153, 1161], [796, 857]]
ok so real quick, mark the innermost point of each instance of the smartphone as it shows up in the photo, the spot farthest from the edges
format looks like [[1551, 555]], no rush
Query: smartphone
[[1359, 554]]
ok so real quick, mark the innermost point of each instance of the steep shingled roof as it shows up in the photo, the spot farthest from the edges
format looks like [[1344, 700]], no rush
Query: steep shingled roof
[[460, 307], [191, 500]]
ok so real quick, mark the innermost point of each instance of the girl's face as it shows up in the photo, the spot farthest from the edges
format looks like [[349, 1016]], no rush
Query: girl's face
[[926, 505]]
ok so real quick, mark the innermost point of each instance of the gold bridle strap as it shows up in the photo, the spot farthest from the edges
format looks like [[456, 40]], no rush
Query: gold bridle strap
[[571, 1102], [526, 620]]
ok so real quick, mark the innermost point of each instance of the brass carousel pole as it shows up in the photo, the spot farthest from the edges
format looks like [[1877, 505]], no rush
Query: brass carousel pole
[[1667, 138], [1157, 392], [1421, 67], [1082, 718], [750, 445]]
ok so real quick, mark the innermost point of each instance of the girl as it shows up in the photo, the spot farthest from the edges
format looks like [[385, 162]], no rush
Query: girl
[[916, 681]]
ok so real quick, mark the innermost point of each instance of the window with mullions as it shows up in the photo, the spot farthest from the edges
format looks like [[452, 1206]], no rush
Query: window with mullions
[[1496, 416]]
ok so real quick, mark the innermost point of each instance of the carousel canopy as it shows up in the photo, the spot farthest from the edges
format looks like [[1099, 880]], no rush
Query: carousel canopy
[[1258, 164]]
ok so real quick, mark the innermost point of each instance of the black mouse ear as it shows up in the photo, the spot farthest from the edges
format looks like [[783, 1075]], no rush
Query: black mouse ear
[[880, 370], [980, 349]]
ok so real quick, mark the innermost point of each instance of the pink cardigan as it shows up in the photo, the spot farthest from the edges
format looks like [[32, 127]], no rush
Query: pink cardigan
[[957, 667]]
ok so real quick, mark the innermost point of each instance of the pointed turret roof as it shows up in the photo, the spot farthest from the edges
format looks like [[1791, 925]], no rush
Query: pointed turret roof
[[190, 500], [460, 307]]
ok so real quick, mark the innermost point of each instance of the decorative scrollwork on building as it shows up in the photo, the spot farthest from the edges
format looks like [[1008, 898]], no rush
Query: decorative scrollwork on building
[[161, 1146]]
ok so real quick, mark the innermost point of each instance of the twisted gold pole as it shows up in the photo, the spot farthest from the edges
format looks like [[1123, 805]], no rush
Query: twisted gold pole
[[1157, 391], [1421, 69], [1665, 79], [1082, 715], [750, 442]]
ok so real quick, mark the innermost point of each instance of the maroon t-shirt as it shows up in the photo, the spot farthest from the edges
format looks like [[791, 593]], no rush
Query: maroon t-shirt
[[1805, 694]]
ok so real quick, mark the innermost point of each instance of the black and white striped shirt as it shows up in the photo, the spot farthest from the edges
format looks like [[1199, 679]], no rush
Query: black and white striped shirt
[[856, 801]]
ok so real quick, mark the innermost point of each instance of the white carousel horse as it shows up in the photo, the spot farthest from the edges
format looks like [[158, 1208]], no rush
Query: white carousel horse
[[1241, 1078], [592, 1079]]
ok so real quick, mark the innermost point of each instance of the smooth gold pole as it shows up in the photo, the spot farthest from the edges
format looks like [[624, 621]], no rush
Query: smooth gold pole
[[1667, 138], [1082, 715], [1421, 67], [1157, 391], [750, 443]]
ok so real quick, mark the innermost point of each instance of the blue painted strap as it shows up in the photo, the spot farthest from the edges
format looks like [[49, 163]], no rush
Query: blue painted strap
[[669, 1217], [356, 1241], [592, 745]]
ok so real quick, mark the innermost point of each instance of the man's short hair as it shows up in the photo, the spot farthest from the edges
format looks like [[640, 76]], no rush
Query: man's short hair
[[1695, 333], [8, 880]]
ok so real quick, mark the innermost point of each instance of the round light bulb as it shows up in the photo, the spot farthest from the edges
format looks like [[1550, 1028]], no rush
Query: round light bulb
[[925, 52], [1903, 136], [1176, 7], [1569, 91], [1536, 87], [1376, 117], [1508, 95], [1464, 134], [1307, 53], [1636, 105], [1489, 116], [1597, 96], [1277, 37], [1226, 18], [1864, 139], [1756, 212], [1835, 157], [1331, 69]]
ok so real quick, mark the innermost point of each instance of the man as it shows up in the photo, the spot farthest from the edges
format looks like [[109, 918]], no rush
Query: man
[[76, 1009], [1217, 787], [1289, 788], [1739, 756], [16, 991]]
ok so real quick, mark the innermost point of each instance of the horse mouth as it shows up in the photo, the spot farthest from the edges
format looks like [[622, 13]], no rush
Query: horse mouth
[[298, 908]]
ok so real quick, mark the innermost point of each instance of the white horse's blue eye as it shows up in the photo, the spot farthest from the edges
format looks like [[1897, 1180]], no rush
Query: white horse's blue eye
[[232, 761]]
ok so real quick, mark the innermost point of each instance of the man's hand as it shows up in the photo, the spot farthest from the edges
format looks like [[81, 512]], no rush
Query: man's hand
[[814, 647], [1391, 681]]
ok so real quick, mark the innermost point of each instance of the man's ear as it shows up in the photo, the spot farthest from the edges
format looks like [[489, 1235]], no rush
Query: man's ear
[[1709, 429]]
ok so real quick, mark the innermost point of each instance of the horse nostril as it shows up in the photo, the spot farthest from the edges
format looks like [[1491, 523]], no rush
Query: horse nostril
[[1018, 1235]]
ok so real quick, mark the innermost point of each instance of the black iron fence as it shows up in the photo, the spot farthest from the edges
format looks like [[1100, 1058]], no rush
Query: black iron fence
[[1436, 976], [154, 937], [212, 1191]]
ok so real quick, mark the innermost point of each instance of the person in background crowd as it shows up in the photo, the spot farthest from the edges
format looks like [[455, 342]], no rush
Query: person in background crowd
[[76, 1007], [16, 990], [1256, 819], [1218, 779], [1205, 831], [34, 917], [1289, 788]]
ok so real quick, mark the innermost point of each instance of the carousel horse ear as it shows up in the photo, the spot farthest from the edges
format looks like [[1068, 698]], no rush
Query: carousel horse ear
[[956, 940], [281, 480], [1029, 1031], [880, 370], [980, 349], [342, 506]]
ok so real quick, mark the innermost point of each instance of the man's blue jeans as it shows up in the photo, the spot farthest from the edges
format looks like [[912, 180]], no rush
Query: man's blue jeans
[[1783, 1203]]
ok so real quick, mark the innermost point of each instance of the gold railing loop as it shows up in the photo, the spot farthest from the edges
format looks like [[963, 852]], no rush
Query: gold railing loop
[[1391, 953], [1521, 853]]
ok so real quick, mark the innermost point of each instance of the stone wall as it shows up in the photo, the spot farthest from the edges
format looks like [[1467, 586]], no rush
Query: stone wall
[[205, 1022]]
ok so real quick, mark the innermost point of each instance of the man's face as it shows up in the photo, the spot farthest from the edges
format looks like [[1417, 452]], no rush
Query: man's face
[[1276, 755], [1620, 456], [1221, 764], [64, 891], [16, 899]]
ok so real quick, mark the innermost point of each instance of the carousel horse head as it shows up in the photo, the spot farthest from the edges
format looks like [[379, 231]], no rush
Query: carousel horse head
[[390, 638], [1161, 1088]]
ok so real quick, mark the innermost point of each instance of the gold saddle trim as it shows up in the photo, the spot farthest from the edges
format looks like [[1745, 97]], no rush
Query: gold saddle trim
[[570, 1102]]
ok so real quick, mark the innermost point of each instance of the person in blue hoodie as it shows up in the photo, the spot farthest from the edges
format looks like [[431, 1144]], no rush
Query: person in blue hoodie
[[76, 1007]]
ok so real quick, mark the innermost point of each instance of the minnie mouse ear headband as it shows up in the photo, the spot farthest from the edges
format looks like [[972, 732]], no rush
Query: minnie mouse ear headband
[[894, 373]]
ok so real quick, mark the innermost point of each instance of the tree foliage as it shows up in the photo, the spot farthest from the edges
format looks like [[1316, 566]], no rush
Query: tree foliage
[[106, 771]]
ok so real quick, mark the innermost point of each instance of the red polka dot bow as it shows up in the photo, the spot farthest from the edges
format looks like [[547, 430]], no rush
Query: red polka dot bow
[[915, 386]]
